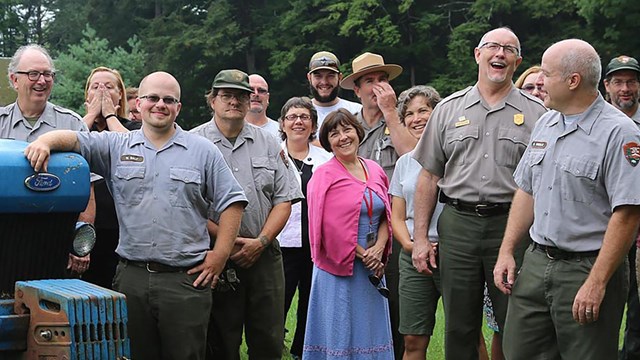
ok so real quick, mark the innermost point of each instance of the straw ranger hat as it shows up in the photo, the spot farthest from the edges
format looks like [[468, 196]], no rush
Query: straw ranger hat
[[368, 63]]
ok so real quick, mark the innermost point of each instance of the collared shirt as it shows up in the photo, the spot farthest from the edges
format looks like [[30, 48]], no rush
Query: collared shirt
[[291, 235], [162, 196], [636, 117], [262, 169], [13, 124], [271, 126], [579, 174], [474, 148], [377, 145]]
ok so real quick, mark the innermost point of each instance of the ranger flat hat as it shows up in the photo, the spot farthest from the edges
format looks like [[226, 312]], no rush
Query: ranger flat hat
[[231, 79], [368, 63]]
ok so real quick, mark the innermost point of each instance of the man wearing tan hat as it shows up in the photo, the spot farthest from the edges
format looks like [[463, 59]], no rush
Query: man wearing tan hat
[[384, 141], [622, 90], [324, 77], [251, 297], [469, 151]]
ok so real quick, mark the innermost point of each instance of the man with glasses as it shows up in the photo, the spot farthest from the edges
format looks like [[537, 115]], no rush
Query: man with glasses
[[324, 76], [469, 150], [32, 74], [165, 182], [621, 85], [253, 298], [259, 101]]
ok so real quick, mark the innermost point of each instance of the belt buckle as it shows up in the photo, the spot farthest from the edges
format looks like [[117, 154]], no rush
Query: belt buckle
[[149, 270], [549, 256], [482, 207]]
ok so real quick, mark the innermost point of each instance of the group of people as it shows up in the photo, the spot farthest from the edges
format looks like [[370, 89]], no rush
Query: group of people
[[518, 198]]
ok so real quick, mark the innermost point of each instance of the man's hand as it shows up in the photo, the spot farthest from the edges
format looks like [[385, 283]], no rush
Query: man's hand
[[586, 305], [423, 255], [78, 265], [209, 270], [504, 273], [385, 97], [246, 251], [38, 154]]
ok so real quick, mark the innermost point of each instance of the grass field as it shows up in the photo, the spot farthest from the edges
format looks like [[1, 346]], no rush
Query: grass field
[[436, 345]]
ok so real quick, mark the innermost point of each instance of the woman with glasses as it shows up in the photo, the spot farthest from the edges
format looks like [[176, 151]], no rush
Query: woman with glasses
[[105, 101], [349, 232], [528, 81], [298, 125]]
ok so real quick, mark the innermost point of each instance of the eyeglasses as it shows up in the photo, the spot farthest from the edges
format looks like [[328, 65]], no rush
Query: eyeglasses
[[323, 61], [530, 87], [260, 91], [241, 98], [495, 47], [379, 284], [294, 117], [167, 100], [619, 83], [35, 75]]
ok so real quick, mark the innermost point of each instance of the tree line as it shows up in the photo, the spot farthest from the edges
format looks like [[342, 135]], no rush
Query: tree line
[[193, 40]]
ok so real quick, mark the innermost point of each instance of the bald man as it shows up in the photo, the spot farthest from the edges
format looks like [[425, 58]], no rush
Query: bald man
[[578, 199], [259, 102], [164, 181]]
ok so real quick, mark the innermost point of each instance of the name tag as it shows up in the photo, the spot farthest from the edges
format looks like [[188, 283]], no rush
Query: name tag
[[538, 144], [462, 121], [134, 158]]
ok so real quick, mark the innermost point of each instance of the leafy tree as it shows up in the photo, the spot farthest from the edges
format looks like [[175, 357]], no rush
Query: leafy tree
[[74, 66]]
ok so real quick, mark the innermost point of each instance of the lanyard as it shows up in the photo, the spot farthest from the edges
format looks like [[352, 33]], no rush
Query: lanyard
[[369, 204]]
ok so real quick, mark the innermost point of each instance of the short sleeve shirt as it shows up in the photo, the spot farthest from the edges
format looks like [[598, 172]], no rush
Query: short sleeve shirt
[[377, 145], [162, 196], [260, 165], [403, 185], [578, 174], [323, 111], [474, 148], [13, 124]]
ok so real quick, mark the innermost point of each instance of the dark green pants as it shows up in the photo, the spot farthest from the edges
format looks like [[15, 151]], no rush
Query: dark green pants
[[540, 322], [257, 305], [469, 247], [167, 315]]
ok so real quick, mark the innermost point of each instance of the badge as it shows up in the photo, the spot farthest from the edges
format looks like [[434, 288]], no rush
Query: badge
[[134, 158], [538, 144], [631, 151], [518, 119], [386, 131], [462, 121], [284, 158], [371, 239]]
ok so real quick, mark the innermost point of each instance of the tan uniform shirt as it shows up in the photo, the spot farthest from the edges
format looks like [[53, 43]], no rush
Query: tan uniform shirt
[[475, 149]]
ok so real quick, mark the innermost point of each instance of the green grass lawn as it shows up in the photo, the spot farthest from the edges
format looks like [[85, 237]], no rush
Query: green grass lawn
[[436, 345]]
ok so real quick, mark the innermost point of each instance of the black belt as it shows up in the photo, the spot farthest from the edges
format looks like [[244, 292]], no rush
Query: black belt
[[554, 253], [154, 267], [480, 209]]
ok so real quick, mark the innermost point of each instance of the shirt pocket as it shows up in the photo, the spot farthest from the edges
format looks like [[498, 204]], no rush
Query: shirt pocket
[[534, 161], [129, 185], [578, 179], [264, 172], [386, 154], [512, 142], [459, 143], [184, 189]]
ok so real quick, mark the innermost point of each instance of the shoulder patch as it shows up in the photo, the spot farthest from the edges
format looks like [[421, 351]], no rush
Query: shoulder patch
[[631, 151], [283, 157]]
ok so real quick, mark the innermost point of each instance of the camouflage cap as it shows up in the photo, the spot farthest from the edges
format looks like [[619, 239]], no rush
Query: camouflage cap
[[622, 62], [232, 79]]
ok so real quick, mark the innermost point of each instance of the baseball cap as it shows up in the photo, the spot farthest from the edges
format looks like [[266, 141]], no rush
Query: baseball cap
[[622, 62], [324, 60], [231, 79]]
